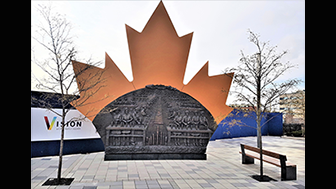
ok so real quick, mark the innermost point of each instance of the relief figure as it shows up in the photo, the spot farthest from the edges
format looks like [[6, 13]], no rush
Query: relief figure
[[195, 120], [178, 120], [126, 118], [186, 120]]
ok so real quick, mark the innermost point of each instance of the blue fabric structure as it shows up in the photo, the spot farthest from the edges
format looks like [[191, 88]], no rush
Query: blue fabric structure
[[241, 124]]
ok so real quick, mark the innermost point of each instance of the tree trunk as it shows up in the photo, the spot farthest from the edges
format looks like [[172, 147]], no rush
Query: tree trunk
[[258, 136], [61, 147], [260, 146], [259, 142]]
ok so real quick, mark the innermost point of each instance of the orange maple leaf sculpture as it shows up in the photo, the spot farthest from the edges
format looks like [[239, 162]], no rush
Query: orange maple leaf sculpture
[[158, 56]]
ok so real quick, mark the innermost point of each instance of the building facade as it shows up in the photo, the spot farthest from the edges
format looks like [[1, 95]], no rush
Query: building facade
[[244, 107], [292, 105]]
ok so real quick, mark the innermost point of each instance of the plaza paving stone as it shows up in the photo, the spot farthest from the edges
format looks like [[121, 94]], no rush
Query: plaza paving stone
[[222, 169]]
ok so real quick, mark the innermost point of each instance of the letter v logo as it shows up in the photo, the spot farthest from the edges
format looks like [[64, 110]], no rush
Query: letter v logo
[[49, 127]]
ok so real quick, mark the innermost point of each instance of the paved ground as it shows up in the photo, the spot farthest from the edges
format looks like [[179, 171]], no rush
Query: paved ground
[[222, 169]]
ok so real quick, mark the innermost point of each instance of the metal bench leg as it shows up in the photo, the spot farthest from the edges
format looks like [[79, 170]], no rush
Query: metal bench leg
[[290, 173], [247, 160]]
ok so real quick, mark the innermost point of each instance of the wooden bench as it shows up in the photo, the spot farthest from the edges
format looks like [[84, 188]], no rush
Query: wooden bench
[[288, 170]]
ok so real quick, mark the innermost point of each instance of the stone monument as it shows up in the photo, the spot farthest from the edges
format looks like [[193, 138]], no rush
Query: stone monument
[[155, 122]]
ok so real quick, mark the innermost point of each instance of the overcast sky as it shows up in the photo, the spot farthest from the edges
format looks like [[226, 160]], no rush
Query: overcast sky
[[220, 30]]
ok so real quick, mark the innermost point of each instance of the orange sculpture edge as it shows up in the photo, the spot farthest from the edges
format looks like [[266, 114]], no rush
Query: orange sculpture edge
[[158, 56]]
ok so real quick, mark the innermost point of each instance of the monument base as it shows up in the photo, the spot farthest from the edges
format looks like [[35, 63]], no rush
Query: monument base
[[154, 156]]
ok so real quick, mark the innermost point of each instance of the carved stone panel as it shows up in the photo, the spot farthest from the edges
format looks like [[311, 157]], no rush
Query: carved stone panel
[[155, 122]]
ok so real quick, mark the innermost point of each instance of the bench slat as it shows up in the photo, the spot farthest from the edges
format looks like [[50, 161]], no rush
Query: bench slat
[[265, 152], [267, 159]]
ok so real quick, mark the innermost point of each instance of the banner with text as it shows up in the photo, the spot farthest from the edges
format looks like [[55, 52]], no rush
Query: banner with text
[[46, 125]]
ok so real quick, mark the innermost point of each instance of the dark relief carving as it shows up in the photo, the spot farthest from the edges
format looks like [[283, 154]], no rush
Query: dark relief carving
[[155, 119]]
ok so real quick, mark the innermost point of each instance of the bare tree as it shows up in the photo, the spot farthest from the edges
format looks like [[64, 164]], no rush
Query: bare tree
[[55, 37], [255, 82]]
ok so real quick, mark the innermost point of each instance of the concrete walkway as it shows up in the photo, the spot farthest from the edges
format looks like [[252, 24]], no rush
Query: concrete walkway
[[222, 169]]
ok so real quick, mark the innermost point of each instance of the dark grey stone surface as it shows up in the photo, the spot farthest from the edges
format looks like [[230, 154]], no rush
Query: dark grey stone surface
[[155, 122], [151, 156]]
